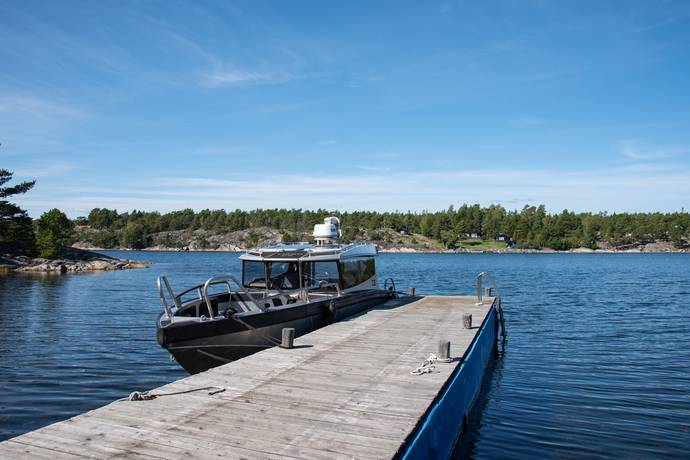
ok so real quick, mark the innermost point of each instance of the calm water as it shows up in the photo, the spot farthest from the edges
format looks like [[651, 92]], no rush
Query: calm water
[[597, 364]]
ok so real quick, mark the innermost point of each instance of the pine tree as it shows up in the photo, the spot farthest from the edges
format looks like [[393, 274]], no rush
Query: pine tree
[[54, 231], [16, 229]]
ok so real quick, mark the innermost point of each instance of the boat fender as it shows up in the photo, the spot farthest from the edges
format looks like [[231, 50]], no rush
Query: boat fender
[[332, 310]]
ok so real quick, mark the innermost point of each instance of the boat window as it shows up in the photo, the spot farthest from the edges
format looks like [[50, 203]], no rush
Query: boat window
[[357, 271], [283, 275], [316, 272], [253, 274]]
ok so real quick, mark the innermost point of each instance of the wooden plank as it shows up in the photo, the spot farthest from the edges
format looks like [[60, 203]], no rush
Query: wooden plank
[[348, 393]]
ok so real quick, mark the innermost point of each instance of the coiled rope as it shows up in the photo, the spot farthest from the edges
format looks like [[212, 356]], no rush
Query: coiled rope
[[428, 365], [146, 396]]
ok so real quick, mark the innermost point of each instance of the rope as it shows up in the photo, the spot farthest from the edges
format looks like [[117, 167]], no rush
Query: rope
[[265, 335], [146, 396], [428, 366]]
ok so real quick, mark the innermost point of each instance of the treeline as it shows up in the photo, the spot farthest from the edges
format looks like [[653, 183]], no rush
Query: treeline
[[531, 227], [19, 234]]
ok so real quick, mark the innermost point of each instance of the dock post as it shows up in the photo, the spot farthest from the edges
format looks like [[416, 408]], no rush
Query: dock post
[[487, 292], [467, 321], [288, 338], [410, 291], [443, 353]]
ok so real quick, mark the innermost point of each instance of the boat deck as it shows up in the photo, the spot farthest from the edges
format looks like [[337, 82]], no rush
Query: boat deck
[[344, 391]]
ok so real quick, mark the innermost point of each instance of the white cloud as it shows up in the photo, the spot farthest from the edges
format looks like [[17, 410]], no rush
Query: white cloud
[[611, 190], [235, 77], [634, 152]]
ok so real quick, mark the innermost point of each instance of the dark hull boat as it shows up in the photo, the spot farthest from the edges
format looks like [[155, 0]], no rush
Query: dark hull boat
[[300, 286], [207, 344]]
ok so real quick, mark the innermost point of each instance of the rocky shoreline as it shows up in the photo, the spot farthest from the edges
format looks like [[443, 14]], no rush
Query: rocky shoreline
[[404, 250], [388, 241], [648, 249], [72, 261]]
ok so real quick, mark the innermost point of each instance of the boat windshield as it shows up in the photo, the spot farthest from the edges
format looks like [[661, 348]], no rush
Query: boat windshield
[[283, 275], [253, 274], [280, 275]]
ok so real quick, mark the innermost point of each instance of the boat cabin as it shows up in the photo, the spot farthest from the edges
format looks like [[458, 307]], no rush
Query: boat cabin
[[279, 275], [287, 267]]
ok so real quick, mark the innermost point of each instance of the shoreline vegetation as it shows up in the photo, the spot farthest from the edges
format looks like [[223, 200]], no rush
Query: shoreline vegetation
[[42, 245], [469, 228], [56, 243]]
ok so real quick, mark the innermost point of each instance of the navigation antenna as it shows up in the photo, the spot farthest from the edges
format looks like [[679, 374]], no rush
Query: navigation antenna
[[329, 232]]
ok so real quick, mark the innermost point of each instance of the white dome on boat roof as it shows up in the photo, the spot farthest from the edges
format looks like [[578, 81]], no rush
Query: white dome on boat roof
[[328, 232]]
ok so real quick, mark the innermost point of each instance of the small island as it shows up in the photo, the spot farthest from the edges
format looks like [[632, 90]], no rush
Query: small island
[[43, 245], [71, 260]]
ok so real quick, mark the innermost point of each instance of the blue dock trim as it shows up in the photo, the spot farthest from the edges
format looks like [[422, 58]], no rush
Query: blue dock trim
[[436, 434]]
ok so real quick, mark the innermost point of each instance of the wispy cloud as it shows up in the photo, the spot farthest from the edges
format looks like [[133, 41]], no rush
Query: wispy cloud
[[635, 152], [42, 170], [236, 77], [37, 107], [618, 189]]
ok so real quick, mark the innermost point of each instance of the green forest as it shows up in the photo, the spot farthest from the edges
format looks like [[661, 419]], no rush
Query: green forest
[[532, 227]]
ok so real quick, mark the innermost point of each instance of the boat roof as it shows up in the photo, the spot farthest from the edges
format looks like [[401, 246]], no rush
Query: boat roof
[[309, 251]]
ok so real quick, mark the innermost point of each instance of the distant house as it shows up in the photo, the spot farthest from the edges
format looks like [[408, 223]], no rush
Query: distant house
[[472, 235], [501, 237]]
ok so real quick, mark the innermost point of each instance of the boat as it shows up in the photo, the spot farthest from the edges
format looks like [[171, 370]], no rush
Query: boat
[[303, 286]]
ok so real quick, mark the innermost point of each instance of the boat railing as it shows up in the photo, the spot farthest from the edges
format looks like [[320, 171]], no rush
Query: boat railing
[[163, 282], [196, 288], [325, 284], [226, 279], [203, 295]]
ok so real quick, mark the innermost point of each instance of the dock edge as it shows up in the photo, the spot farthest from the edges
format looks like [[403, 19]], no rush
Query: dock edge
[[441, 426]]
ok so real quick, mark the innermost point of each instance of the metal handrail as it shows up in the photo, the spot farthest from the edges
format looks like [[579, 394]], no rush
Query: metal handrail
[[196, 288], [492, 280], [225, 279], [385, 284], [325, 284], [163, 281]]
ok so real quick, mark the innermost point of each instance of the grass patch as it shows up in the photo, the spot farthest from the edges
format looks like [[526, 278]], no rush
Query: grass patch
[[476, 243]]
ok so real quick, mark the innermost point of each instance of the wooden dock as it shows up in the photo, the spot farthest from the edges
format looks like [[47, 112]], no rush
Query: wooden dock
[[344, 391]]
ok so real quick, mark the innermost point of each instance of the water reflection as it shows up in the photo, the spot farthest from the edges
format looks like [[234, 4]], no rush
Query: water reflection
[[467, 443], [596, 365]]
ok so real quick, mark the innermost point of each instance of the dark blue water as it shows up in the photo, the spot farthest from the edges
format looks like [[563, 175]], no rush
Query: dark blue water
[[597, 364]]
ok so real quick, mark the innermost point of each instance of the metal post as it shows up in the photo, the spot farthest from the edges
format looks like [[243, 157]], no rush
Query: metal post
[[479, 288], [410, 291], [288, 337], [443, 353]]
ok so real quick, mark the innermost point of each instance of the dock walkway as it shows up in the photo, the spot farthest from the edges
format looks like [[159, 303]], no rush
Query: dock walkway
[[344, 391]]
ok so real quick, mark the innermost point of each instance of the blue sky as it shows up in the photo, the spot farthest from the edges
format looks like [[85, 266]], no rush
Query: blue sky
[[346, 105]]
